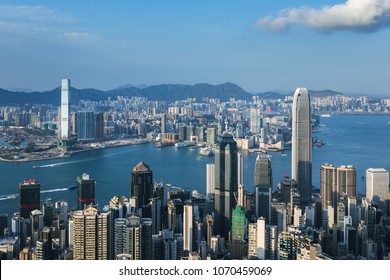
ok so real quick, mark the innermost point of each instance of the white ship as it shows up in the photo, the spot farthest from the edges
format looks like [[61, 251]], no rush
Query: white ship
[[184, 144], [207, 151]]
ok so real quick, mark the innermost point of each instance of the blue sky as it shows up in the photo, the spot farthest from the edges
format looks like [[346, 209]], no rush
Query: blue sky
[[261, 45]]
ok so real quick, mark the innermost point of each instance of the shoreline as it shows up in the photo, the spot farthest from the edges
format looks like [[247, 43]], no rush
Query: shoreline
[[69, 154]]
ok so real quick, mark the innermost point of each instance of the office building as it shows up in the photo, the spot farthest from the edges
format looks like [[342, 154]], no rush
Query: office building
[[85, 191], [226, 182], [210, 180], [64, 109], [261, 238], [146, 239], [141, 187], [85, 126], [255, 120], [336, 182], [240, 171], [301, 150], [163, 123], [346, 180], [252, 241], [263, 187], [328, 185], [211, 137], [377, 185], [29, 197], [188, 227], [99, 126], [238, 223]]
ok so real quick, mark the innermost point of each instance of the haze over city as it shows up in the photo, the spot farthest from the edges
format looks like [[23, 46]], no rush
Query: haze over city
[[259, 45]]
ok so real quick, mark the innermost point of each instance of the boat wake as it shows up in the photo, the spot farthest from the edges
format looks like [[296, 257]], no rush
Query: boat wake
[[62, 163], [55, 190]]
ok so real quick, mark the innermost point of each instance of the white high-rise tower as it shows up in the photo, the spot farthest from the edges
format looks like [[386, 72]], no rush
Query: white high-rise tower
[[301, 165], [377, 185], [64, 121]]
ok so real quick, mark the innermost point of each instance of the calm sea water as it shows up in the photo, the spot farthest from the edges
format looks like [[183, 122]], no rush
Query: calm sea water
[[359, 140]]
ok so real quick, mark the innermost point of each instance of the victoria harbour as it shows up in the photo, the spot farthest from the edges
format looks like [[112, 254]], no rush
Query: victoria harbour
[[358, 140]]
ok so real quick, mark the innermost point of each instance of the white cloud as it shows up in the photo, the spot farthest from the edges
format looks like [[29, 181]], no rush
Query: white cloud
[[41, 24], [80, 37], [354, 15], [33, 13]]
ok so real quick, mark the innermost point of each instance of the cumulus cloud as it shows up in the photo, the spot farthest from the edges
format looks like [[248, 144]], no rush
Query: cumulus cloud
[[354, 15]]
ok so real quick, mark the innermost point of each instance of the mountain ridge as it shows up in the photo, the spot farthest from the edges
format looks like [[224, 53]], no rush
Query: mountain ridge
[[166, 92]]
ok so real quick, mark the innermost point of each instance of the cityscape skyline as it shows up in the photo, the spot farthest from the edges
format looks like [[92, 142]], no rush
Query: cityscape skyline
[[289, 222], [348, 53]]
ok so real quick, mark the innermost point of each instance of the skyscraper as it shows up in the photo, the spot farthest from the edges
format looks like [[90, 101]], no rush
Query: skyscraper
[[85, 234], [240, 166], [163, 123], [29, 197], [141, 186], [377, 185], [188, 227], [134, 237], [346, 180], [226, 182], [85, 126], [210, 180], [261, 238], [238, 223], [85, 191], [99, 126], [328, 185], [335, 182], [255, 120], [64, 118], [263, 188], [301, 165]]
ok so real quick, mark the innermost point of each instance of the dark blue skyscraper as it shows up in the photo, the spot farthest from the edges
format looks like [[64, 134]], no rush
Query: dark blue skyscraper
[[226, 182], [85, 126]]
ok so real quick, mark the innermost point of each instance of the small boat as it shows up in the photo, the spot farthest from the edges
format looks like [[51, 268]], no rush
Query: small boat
[[11, 197], [283, 155], [72, 187]]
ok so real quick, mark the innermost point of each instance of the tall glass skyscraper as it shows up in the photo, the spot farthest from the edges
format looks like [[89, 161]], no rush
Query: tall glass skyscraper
[[85, 126], [263, 188], [64, 117], [226, 182], [85, 191], [141, 184], [29, 197], [301, 165]]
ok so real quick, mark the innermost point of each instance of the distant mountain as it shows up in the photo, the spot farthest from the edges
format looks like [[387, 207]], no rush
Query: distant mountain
[[141, 86], [167, 92], [270, 95], [322, 93]]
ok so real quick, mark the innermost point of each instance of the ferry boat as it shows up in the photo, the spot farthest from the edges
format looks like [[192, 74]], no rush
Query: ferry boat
[[207, 151], [184, 144], [163, 144]]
